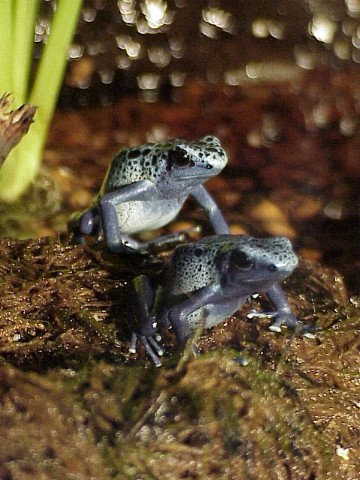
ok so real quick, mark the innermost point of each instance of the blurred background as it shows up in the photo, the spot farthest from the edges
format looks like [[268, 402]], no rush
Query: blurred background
[[276, 80], [155, 46]]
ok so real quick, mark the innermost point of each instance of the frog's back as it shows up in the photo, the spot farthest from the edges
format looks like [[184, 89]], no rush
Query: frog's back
[[193, 162], [131, 165], [193, 265]]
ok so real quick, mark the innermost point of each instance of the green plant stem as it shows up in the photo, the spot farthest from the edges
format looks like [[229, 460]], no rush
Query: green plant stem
[[6, 10], [22, 165], [54, 58], [23, 38]]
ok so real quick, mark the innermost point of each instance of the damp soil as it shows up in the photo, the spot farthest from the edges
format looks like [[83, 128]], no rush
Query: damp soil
[[252, 404]]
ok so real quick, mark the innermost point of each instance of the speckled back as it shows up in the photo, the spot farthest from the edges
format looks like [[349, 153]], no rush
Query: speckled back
[[150, 161], [193, 265]]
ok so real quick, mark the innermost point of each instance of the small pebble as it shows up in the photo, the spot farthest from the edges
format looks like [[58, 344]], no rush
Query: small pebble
[[342, 452]]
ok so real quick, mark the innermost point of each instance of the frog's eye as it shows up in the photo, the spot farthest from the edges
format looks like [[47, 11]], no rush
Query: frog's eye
[[179, 158], [241, 260]]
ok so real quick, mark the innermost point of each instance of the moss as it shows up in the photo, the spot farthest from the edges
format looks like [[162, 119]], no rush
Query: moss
[[214, 419], [65, 318], [44, 433], [56, 300]]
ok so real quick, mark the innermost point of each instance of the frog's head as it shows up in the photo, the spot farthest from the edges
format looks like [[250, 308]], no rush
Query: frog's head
[[192, 163], [256, 263]]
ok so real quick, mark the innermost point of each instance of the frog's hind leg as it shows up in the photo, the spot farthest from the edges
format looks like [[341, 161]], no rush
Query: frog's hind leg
[[164, 241], [170, 240], [127, 244], [84, 223]]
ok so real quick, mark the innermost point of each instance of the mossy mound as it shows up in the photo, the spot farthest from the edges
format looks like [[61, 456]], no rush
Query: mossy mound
[[252, 404], [213, 419]]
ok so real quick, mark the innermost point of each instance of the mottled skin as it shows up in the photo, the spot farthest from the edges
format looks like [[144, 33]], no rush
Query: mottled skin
[[145, 188], [208, 281]]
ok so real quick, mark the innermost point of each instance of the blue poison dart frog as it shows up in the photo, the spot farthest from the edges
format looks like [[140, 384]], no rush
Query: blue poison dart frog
[[208, 281], [145, 188]]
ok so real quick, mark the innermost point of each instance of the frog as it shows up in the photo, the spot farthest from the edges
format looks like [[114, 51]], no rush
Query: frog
[[208, 281], [146, 186]]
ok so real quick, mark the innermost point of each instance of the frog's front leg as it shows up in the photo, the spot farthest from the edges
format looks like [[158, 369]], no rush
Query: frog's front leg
[[178, 315], [216, 218], [142, 190], [283, 314], [146, 328]]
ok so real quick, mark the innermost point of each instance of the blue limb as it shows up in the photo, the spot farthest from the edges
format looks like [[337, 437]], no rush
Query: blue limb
[[283, 314], [177, 316], [152, 348], [170, 240], [117, 241], [146, 325], [84, 223], [142, 190], [218, 222]]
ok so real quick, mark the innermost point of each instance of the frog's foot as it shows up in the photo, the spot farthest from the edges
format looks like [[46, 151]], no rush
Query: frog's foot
[[281, 318], [151, 346], [126, 245], [170, 240], [165, 241], [122, 248]]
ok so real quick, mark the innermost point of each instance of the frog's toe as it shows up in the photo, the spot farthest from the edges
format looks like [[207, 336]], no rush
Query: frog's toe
[[275, 327], [280, 318], [154, 343], [307, 331], [133, 341], [152, 349], [283, 318], [151, 346]]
